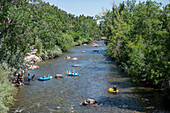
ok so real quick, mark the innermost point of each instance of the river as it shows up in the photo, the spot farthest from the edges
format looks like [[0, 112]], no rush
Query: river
[[97, 74]]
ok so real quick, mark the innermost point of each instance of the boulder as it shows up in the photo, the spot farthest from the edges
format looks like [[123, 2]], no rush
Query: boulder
[[95, 50], [58, 76], [76, 65], [74, 58], [32, 58], [30, 67], [91, 102]]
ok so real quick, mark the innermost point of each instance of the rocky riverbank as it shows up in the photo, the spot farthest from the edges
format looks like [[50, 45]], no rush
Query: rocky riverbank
[[32, 59]]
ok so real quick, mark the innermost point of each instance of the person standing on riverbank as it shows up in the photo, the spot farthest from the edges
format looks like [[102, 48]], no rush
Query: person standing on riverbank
[[21, 78], [29, 77]]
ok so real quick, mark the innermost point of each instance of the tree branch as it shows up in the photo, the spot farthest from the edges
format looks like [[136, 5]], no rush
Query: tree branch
[[8, 21]]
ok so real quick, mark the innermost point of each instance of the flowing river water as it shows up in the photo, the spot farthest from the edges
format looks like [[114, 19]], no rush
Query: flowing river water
[[96, 75]]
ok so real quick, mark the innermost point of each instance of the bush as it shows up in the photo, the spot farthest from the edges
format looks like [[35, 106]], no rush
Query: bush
[[6, 91], [66, 42], [55, 52], [44, 55], [39, 46]]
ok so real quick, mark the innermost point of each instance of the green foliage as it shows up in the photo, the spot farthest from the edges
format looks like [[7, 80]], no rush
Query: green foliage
[[6, 89], [65, 41], [55, 52], [138, 39], [38, 46]]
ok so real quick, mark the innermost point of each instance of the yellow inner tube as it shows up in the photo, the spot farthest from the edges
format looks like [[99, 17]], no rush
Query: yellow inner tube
[[51, 77], [68, 57], [113, 91]]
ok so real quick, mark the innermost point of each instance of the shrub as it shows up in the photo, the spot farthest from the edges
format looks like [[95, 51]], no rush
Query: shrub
[[6, 90], [55, 52]]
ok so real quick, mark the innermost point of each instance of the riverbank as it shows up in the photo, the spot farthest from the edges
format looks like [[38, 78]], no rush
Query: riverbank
[[32, 59]]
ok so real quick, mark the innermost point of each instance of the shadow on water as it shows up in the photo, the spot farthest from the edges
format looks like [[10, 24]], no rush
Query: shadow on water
[[153, 97], [142, 101], [123, 84], [107, 62], [98, 69], [97, 51], [122, 103], [149, 99]]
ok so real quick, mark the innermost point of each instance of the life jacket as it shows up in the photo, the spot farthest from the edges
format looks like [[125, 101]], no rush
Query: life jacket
[[115, 88], [20, 78]]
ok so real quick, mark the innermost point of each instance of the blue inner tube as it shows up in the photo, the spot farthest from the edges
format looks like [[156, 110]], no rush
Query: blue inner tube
[[73, 74], [44, 78]]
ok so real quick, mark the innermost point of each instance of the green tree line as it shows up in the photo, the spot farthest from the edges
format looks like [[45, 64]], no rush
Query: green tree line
[[138, 38], [28, 24]]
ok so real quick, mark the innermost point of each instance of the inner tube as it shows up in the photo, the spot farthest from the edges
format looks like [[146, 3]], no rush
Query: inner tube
[[73, 74], [68, 57], [112, 90], [45, 78]]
